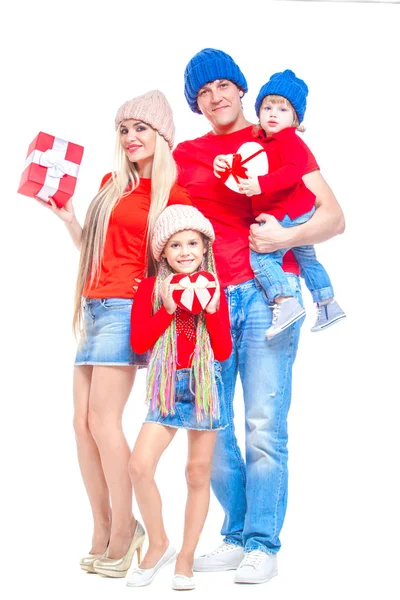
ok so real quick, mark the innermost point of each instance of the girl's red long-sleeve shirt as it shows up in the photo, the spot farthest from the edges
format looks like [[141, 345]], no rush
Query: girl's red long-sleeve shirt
[[147, 327]]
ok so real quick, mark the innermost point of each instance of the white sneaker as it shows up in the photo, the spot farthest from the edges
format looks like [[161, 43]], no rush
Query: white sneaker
[[140, 577], [224, 558], [182, 582], [256, 567], [284, 314]]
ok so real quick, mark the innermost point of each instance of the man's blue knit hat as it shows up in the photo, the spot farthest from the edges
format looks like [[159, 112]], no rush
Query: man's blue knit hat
[[289, 86], [206, 66]]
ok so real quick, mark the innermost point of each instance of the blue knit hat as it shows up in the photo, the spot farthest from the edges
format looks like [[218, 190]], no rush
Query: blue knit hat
[[289, 86], [206, 66]]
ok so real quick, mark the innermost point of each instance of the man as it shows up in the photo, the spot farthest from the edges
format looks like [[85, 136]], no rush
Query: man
[[253, 494]]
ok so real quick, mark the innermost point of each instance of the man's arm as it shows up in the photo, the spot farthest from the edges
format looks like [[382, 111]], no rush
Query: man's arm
[[326, 222]]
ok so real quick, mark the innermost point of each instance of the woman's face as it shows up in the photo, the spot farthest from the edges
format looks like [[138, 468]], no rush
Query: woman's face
[[138, 141]]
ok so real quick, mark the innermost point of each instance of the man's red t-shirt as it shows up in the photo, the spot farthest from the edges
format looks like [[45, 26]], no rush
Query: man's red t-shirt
[[230, 213]]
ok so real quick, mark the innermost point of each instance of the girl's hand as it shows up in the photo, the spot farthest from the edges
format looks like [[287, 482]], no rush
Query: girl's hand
[[220, 165], [213, 306], [249, 186], [135, 287], [66, 213], [166, 295]]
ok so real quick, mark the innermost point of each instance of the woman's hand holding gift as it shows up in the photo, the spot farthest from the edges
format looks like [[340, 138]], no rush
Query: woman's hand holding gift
[[66, 213]]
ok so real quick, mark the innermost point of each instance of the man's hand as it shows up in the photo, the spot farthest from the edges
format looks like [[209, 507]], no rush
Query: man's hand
[[269, 237], [249, 186]]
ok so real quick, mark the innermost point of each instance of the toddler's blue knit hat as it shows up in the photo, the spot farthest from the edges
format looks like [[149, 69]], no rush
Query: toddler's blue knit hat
[[289, 86], [208, 65]]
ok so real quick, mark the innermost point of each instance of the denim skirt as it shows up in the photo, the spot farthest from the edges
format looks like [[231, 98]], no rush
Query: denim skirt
[[107, 334], [185, 406]]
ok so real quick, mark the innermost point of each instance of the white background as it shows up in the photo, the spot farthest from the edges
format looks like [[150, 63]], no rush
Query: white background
[[67, 69]]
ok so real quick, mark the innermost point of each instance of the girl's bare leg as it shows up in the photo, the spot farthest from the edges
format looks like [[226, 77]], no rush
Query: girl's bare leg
[[151, 442], [198, 472], [89, 461], [109, 392]]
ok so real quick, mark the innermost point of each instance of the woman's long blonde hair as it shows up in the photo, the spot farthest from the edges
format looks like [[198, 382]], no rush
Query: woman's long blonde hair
[[124, 179]]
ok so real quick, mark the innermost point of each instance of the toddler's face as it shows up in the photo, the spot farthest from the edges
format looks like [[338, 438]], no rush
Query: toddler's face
[[275, 116], [184, 251]]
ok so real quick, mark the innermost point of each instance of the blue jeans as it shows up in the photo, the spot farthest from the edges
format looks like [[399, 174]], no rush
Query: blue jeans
[[268, 270], [185, 409], [107, 334], [253, 494]]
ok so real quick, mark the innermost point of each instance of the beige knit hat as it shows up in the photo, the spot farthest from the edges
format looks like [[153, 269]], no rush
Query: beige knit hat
[[151, 108], [177, 218]]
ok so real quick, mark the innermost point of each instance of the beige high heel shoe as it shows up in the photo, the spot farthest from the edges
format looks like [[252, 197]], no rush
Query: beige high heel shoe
[[118, 567], [86, 562]]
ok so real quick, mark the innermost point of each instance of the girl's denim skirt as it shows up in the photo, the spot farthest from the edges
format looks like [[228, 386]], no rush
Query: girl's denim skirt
[[107, 338], [185, 407]]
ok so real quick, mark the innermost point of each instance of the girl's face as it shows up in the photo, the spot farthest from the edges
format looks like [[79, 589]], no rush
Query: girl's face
[[275, 116], [184, 251], [138, 141]]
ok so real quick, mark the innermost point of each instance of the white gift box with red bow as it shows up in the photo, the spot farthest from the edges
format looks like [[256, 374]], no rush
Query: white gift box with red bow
[[51, 169], [249, 159]]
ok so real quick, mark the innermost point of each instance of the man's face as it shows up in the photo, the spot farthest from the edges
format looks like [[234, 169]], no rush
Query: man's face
[[219, 101]]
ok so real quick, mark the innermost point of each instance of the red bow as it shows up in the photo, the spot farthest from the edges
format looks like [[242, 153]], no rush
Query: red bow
[[237, 169]]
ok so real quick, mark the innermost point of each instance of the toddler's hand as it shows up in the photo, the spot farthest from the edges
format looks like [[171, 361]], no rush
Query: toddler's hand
[[166, 295], [249, 186], [220, 165]]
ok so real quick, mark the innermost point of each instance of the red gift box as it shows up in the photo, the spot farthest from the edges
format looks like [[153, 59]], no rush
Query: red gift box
[[51, 169], [193, 292]]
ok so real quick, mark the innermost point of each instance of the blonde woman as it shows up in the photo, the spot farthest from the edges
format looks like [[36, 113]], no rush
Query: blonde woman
[[113, 246]]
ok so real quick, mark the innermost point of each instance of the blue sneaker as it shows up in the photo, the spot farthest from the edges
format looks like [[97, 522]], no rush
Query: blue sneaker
[[328, 314]]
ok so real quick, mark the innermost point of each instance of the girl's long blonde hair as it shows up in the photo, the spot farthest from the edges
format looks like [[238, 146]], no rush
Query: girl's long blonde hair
[[124, 179]]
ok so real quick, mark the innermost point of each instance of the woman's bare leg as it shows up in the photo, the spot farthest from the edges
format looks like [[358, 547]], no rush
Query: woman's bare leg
[[198, 472], [151, 442], [89, 461], [109, 392]]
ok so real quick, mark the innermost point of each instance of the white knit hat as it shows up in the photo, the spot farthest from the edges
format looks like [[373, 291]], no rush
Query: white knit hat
[[174, 218]]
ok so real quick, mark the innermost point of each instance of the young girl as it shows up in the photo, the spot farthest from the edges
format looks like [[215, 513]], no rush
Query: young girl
[[113, 253], [184, 386], [280, 106]]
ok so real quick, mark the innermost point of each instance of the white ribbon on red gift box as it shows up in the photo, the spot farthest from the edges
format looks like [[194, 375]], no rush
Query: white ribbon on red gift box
[[198, 288], [57, 166]]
